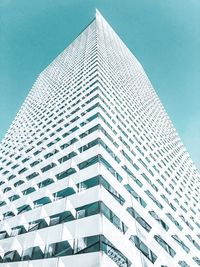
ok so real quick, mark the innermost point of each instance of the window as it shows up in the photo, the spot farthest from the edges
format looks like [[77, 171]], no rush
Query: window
[[88, 183], [132, 176], [69, 143], [66, 173], [33, 253], [197, 260], [45, 182], [8, 214], [28, 190], [31, 176], [139, 219], [89, 145], [143, 248], [67, 157], [113, 218], [180, 242], [64, 193], [7, 189], [110, 168], [18, 183], [193, 241], [87, 244], [23, 208], [11, 256], [2, 203], [62, 217], [48, 167], [59, 249], [88, 162], [183, 264], [135, 195], [3, 234], [51, 154], [111, 190], [38, 224], [88, 210], [163, 244], [159, 220], [18, 230], [41, 201], [174, 221], [154, 199]]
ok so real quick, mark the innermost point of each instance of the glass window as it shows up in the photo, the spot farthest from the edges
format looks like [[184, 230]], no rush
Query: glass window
[[18, 230], [64, 193], [28, 190], [7, 189], [62, 217], [45, 182], [88, 162], [38, 224], [197, 260], [66, 173], [67, 157], [87, 244], [89, 145], [3, 234], [154, 199], [143, 248], [23, 208], [174, 221], [31, 176], [110, 168], [183, 264], [193, 241], [135, 195], [166, 247], [88, 183], [18, 183], [11, 256], [48, 167], [159, 220], [180, 242], [88, 210], [14, 197], [37, 253], [2, 203], [41, 201], [139, 219], [8, 214], [59, 249], [113, 218]]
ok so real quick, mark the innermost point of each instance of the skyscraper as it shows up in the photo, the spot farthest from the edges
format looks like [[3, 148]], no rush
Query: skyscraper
[[93, 173]]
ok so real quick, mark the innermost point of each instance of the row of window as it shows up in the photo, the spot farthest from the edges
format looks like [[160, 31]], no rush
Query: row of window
[[66, 248], [66, 216], [68, 191]]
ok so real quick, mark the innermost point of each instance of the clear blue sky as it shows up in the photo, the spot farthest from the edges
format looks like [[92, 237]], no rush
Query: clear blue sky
[[163, 34]]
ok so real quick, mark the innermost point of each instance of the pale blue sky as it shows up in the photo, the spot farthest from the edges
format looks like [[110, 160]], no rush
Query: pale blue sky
[[163, 34]]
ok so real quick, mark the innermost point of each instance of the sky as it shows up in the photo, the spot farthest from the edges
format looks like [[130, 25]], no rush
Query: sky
[[163, 34]]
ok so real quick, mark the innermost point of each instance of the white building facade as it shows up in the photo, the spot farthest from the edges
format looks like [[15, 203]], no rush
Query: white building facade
[[92, 171]]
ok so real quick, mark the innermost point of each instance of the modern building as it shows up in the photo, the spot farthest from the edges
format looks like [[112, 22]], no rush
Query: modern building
[[92, 170]]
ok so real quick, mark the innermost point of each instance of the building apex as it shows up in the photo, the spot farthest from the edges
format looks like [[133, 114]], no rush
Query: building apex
[[97, 13]]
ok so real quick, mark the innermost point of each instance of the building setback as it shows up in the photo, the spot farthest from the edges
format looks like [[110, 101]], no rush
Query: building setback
[[92, 171]]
